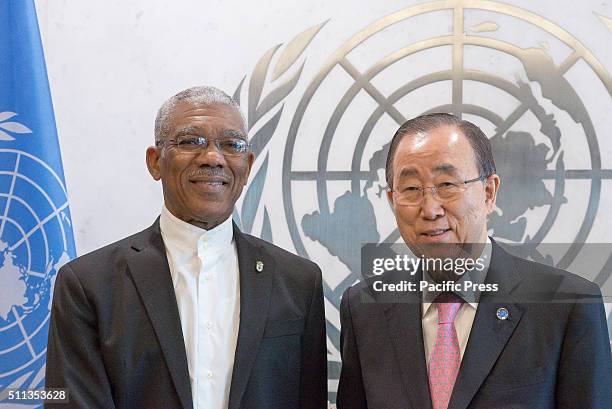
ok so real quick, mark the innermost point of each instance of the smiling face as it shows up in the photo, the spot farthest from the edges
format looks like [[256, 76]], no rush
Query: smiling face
[[201, 187], [435, 157]]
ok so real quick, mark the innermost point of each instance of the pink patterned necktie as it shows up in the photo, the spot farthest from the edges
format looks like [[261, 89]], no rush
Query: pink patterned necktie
[[445, 358]]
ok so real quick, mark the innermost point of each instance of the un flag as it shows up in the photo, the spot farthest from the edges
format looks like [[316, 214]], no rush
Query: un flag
[[35, 226]]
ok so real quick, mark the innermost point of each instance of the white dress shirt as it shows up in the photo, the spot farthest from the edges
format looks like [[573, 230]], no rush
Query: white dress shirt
[[466, 314], [204, 269]]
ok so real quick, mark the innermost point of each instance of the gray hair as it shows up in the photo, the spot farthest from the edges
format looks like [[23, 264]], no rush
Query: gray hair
[[202, 95], [425, 123]]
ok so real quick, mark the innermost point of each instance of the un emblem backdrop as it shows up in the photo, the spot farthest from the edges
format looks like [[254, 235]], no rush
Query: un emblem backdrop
[[324, 86], [526, 92]]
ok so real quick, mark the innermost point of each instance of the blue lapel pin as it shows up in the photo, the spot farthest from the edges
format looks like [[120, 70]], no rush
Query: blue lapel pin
[[502, 313]]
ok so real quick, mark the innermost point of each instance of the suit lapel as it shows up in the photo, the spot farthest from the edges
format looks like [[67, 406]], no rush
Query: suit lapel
[[406, 335], [255, 294], [404, 320], [148, 266], [489, 335]]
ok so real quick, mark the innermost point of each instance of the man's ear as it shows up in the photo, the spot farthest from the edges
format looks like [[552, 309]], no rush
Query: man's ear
[[153, 156], [390, 199], [250, 160], [491, 188]]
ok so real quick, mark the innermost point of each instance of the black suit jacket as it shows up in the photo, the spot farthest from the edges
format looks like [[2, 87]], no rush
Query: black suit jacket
[[115, 338], [545, 355]]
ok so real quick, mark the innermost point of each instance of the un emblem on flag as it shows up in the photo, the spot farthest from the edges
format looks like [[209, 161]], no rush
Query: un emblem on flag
[[34, 235]]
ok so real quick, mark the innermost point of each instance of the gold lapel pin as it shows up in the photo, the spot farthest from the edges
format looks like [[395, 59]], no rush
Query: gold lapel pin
[[259, 266]]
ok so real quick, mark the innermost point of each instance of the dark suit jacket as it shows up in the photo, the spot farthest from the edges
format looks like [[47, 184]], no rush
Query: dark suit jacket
[[545, 355], [115, 336]]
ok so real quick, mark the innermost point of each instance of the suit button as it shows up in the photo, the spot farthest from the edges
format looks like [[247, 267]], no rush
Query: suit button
[[209, 375]]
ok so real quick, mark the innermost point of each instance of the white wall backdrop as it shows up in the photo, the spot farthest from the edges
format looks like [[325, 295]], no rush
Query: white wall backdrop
[[112, 63]]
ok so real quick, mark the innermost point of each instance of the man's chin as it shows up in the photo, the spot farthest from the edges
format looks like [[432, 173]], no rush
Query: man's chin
[[208, 218], [452, 249]]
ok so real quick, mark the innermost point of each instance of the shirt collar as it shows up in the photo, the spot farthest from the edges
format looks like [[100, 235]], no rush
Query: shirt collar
[[193, 239], [477, 276]]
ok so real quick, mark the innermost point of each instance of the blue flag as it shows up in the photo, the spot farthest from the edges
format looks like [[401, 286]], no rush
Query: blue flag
[[35, 226]]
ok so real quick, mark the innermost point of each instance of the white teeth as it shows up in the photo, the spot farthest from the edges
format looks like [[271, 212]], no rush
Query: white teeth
[[436, 233], [213, 183]]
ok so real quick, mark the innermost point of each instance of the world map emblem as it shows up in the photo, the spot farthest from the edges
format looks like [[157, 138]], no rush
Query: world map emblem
[[35, 237], [524, 91]]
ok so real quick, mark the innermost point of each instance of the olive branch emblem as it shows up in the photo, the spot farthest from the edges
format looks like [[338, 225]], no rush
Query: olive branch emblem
[[281, 80], [7, 126]]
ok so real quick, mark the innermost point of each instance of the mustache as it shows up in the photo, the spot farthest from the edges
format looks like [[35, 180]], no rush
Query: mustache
[[209, 173]]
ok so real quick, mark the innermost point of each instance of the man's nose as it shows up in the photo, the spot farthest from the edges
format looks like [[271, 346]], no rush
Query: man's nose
[[431, 208], [211, 156]]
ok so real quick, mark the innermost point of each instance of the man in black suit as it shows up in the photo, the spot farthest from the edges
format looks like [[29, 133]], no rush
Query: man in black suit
[[191, 312], [536, 340]]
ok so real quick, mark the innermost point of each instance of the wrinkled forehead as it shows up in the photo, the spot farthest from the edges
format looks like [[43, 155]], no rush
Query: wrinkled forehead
[[206, 117], [443, 150], [410, 171]]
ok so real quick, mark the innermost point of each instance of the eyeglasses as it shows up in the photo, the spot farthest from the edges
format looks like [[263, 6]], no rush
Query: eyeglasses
[[445, 192], [195, 143]]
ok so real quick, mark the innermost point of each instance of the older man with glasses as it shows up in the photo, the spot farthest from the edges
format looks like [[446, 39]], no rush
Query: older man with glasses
[[191, 312], [509, 334]]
